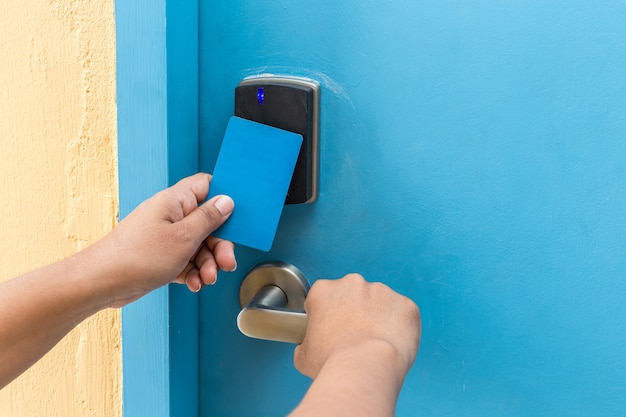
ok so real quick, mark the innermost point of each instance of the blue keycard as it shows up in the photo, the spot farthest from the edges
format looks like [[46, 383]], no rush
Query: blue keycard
[[254, 167]]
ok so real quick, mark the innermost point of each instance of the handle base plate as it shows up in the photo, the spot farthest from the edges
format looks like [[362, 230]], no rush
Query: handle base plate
[[280, 274]]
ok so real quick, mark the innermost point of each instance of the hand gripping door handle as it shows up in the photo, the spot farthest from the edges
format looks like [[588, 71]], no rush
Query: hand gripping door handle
[[272, 300]]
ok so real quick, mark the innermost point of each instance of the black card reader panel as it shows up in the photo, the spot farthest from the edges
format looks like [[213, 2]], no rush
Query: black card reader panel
[[289, 104]]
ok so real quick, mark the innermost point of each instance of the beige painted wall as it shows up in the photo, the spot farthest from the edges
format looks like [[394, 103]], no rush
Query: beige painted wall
[[58, 187]]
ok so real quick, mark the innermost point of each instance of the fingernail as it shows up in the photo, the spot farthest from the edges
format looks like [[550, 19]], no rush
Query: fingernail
[[224, 204], [199, 287], [212, 272], [234, 268]]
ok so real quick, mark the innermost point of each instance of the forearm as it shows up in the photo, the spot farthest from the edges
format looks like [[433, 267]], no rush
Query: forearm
[[166, 239], [361, 381], [39, 308]]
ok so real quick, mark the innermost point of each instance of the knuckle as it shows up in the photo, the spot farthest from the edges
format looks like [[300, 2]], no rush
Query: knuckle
[[319, 288], [354, 278], [379, 287], [410, 309], [210, 215], [183, 237], [314, 297]]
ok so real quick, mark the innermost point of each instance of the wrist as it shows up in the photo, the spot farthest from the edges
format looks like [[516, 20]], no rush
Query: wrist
[[361, 378], [373, 351], [102, 273]]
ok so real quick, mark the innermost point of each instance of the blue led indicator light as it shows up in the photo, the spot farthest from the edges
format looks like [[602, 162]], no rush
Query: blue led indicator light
[[260, 95]]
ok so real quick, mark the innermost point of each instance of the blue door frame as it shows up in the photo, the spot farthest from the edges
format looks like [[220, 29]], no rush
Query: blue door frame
[[158, 145]]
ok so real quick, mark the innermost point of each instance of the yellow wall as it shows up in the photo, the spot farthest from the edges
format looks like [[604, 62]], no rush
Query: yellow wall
[[58, 187]]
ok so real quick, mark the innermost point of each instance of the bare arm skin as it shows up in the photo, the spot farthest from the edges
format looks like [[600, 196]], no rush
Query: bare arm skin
[[361, 341], [166, 239]]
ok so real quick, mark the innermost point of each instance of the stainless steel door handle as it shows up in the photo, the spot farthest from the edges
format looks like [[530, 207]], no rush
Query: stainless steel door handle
[[272, 300]]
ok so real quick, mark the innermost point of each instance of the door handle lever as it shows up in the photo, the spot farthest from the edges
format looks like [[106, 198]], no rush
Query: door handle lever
[[272, 299]]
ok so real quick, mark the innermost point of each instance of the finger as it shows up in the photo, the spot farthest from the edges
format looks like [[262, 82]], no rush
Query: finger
[[189, 276], [224, 253], [303, 363], [198, 184], [208, 217], [182, 277], [193, 280], [207, 266], [190, 192], [299, 359]]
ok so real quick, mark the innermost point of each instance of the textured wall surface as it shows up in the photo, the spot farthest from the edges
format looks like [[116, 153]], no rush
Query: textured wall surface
[[58, 191]]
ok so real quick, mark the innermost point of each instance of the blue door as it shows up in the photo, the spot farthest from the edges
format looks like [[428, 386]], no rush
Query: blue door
[[473, 157]]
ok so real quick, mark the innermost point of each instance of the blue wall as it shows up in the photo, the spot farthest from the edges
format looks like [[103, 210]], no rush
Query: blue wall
[[474, 158]]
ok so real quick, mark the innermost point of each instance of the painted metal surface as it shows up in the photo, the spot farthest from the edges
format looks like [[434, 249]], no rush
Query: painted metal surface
[[473, 158]]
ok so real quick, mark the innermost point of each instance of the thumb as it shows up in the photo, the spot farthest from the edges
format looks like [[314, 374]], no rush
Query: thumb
[[210, 215]]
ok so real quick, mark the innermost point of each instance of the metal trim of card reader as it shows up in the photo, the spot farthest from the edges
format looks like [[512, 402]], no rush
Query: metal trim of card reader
[[310, 146]]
